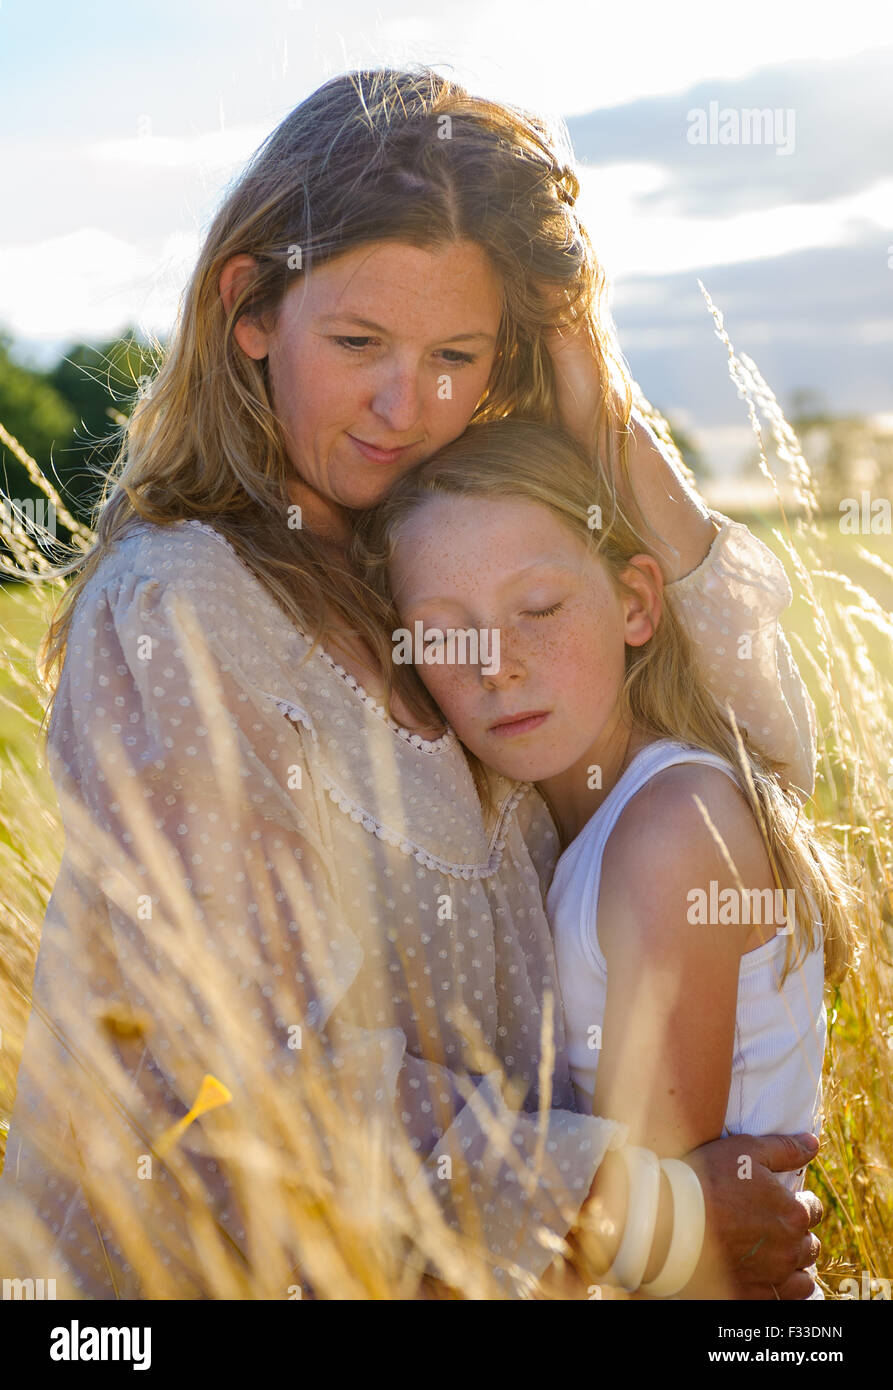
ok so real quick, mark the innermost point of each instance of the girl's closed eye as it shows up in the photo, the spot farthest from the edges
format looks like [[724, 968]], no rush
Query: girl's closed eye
[[545, 612]]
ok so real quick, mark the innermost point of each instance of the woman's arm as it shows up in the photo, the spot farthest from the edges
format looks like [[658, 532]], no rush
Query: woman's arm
[[726, 586], [677, 518]]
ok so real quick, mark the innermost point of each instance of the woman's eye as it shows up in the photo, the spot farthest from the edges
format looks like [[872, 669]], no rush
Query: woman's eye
[[353, 344], [545, 612]]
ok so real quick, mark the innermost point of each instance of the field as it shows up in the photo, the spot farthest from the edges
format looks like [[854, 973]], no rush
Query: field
[[840, 633]]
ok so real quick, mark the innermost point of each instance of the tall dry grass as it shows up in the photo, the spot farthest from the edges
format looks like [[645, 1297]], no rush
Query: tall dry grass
[[318, 1196]]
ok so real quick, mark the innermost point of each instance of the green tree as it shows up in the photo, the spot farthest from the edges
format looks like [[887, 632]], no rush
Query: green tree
[[31, 408], [101, 383], [35, 413]]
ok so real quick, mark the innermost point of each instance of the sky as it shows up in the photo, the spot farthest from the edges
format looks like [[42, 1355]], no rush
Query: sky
[[121, 126]]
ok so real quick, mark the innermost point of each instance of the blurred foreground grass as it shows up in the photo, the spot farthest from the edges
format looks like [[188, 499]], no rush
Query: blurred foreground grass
[[840, 630]]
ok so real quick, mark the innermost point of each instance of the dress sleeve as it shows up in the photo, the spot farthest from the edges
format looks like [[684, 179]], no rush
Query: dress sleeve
[[730, 606], [198, 832]]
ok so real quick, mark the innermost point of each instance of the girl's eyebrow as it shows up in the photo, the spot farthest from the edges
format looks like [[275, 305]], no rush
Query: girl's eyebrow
[[555, 562], [377, 328]]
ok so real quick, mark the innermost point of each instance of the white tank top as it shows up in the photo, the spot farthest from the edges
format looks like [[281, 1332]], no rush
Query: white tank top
[[776, 1085]]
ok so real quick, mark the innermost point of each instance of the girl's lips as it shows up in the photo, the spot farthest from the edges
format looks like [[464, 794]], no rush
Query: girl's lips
[[375, 455], [520, 726]]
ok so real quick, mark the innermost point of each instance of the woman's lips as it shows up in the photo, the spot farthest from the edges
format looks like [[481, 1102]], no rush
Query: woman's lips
[[376, 455], [520, 723]]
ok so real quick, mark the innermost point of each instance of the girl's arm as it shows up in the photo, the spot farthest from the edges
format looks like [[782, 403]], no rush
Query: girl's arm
[[669, 1027]]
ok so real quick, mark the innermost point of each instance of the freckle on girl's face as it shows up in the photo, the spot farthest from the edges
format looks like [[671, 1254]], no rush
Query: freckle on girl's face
[[512, 564]]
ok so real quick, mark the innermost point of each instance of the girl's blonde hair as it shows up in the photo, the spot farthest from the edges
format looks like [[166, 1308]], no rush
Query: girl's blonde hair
[[370, 156], [663, 695]]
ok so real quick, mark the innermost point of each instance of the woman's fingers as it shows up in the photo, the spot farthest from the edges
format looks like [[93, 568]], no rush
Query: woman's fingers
[[815, 1210], [809, 1251], [797, 1286]]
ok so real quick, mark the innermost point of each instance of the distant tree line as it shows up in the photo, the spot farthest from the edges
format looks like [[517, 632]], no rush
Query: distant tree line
[[69, 418]]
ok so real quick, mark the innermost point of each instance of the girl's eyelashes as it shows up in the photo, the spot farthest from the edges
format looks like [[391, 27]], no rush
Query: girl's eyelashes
[[357, 344], [430, 626]]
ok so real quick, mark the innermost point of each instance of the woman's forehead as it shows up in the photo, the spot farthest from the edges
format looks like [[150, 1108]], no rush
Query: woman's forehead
[[454, 284]]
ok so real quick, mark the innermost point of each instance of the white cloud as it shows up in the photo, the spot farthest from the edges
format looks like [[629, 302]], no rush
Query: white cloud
[[630, 241], [215, 149], [89, 284]]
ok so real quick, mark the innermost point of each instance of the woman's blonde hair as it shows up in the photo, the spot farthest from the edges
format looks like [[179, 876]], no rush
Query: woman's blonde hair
[[372, 155], [663, 695]]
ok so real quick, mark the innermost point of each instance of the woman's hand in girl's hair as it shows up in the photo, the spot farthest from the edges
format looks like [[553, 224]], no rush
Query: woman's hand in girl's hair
[[681, 528], [578, 382]]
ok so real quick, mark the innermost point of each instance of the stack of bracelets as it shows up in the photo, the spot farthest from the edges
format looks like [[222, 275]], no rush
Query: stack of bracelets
[[643, 1185]]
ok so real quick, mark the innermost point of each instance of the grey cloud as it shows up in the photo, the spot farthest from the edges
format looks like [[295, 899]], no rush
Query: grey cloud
[[842, 130]]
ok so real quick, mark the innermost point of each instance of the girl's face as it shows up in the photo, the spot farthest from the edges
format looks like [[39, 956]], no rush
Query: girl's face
[[377, 360], [512, 565]]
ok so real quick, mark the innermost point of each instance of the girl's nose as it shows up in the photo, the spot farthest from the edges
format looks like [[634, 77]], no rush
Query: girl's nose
[[511, 668]]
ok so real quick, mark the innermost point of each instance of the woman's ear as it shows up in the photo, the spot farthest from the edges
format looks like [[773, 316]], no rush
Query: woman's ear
[[235, 277], [643, 599]]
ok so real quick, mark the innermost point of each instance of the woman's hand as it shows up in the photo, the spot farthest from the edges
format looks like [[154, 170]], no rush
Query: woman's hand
[[578, 384], [681, 528], [757, 1243]]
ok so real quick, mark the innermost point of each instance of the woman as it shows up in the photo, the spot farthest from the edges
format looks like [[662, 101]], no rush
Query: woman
[[238, 801]]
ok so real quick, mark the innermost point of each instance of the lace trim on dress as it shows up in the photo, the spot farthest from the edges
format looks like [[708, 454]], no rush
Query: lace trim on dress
[[425, 745], [361, 816], [296, 715]]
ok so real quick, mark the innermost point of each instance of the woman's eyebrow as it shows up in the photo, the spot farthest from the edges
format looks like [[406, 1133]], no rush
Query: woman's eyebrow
[[377, 328]]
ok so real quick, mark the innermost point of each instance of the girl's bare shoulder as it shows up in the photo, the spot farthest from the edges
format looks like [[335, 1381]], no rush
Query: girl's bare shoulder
[[690, 825]]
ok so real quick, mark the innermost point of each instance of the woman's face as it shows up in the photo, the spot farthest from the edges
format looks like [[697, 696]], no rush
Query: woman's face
[[512, 565], [377, 360]]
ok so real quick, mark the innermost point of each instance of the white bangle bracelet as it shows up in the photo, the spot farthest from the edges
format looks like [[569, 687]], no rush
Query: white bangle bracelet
[[688, 1230], [643, 1181]]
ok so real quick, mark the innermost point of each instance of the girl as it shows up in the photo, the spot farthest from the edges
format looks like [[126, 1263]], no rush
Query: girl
[[692, 905]]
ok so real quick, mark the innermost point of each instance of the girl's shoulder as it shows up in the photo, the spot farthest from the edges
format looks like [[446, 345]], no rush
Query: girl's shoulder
[[681, 809], [687, 827]]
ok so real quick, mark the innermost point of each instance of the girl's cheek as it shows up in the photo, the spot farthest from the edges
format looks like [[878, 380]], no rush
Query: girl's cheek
[[452, 693]]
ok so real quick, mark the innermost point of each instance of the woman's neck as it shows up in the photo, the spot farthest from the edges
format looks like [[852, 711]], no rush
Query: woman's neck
[[574, 796], [325, 518]]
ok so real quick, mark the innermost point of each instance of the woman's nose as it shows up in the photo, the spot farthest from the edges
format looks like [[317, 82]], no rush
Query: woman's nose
[[397, 399]]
